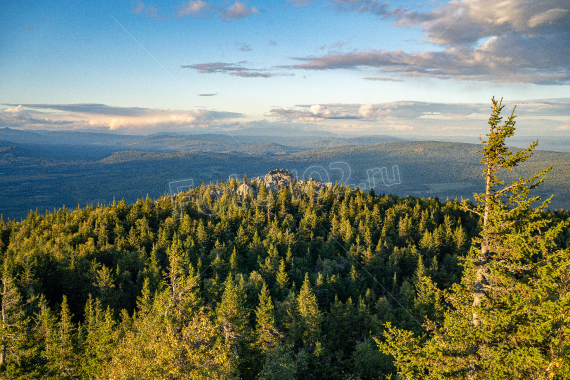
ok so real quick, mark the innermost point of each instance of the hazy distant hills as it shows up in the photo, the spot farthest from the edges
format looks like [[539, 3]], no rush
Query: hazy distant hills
[[59, 137], [182, 144], [443, 169], [47, 170], [232, 141]]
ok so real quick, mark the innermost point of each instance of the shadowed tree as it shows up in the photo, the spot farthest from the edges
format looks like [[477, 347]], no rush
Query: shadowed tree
[[267, 334], [64, 360], [14, 323]]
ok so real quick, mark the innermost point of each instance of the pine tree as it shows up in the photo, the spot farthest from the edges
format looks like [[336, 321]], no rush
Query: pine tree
[[234, 260], [267, 334], [279, 364], [506, 318], [282, 279], [45, 334], [64, 359], [99, 337], [309, 313], [232, 314], [14, 323]]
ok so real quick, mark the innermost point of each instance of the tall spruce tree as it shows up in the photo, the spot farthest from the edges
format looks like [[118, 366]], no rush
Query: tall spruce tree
[[64, 362], [233, 321], [98, 338], [14, 322], [508, 318], [310, 315], [267, 334]]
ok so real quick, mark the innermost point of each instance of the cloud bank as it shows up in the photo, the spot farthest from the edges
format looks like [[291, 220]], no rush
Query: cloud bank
[[100, 116], [450, 118], [315, 112], [483, 40], [401, 117]]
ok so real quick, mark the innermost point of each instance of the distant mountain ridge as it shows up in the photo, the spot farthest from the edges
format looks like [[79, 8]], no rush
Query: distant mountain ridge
[[47, 170]]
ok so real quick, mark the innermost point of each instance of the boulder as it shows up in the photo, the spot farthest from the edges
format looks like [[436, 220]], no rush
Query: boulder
[[243, 190]]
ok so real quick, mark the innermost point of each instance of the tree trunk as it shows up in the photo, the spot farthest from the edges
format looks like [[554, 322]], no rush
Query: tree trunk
[[478, 292], [481, 271], [3, 346]]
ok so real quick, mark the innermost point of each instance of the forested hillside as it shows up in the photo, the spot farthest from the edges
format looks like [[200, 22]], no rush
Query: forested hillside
[[287, 283], [66, 170]]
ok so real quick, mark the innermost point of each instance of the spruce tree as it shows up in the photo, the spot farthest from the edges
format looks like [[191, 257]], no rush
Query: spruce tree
[[508, 318], [14, 322], [232, 313], [233, 320], [173, 336], [99, 337], [45, 335], [279, 364], [267, 334], [310, 315], [282, 279], [64, 359]]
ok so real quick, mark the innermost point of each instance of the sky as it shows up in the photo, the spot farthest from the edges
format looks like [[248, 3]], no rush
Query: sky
[[344, 66]]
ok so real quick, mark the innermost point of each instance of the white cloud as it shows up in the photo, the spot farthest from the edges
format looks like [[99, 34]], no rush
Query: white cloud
[[403, 112], [534, 117], [366, 110], [371, 112], [14, 109], [197, 8], [316, 112], [237, 10], [73, 116], [402, 117], [467, 21], [317, 109]]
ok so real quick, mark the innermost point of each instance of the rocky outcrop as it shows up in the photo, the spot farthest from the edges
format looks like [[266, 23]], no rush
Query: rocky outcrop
[[273, 181], [277, 179], [243, 190]]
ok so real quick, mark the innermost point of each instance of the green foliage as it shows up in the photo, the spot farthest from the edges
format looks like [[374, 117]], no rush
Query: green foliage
[[283, 284], [309, 315], [14, 325], [505, 318], [267, 335], [280, 364]]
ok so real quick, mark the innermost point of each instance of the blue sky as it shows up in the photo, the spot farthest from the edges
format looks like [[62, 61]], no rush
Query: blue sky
[[349, 66]]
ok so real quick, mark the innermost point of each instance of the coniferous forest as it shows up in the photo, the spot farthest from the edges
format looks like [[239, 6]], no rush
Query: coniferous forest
[[237, 279]]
